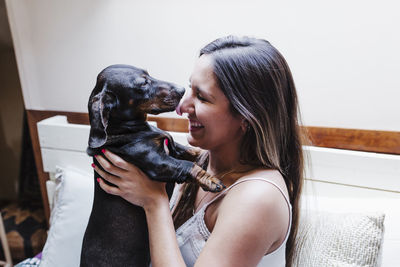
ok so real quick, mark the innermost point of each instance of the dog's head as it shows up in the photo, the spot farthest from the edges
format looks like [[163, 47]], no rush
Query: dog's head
[[125, 93]]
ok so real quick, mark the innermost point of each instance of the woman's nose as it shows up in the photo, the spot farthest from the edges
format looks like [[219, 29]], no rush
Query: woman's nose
[[185, 106]]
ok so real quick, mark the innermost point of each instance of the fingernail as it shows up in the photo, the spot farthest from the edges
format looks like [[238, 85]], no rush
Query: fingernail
[[95, 156], [166, 141], [93, 165], [98, 180], [103, 150]]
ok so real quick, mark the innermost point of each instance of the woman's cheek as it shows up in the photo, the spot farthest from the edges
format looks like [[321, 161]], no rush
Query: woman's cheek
[[205, 113]]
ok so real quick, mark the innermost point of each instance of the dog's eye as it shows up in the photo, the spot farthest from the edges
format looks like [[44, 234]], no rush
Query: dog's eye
[[142, 81]]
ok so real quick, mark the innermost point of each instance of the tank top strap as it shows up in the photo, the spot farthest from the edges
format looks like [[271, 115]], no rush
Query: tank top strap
[[245, 180]]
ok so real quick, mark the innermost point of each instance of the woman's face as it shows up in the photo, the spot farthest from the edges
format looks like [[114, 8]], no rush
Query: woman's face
[[211, 123]]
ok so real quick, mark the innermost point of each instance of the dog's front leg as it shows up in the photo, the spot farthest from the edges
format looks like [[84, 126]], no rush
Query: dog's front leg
[[169, 169], [186, 153], [205, 180]]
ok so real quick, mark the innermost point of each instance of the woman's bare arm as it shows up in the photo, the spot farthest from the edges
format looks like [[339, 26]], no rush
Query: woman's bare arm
[[164, 248]]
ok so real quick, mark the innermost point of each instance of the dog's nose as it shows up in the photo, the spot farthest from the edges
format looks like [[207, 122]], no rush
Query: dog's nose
[[180, 91]]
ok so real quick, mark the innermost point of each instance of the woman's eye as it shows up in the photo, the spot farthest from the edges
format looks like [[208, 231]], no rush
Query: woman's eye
[[200, 97]]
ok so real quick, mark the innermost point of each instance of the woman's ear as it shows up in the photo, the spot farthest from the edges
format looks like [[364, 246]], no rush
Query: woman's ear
[[244, 125]]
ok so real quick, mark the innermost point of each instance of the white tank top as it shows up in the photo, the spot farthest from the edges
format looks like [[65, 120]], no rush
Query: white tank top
[[193, 234]]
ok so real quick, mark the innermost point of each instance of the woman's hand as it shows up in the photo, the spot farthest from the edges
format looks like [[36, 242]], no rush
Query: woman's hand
[[131, 183]]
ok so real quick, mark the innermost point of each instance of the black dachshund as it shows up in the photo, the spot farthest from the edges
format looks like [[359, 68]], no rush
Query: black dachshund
[[117, 234]]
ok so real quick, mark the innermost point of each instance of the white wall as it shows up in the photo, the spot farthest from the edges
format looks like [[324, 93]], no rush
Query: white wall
[[343, 54]]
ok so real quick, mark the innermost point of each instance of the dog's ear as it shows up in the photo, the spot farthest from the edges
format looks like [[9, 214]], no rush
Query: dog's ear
[[100, 106]]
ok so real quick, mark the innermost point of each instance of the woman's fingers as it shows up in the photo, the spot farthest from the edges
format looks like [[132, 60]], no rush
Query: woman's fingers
[[130, 182], [121, 168], [109, 167], [109, 189], [107, 176], [113, 190], [116, 160]]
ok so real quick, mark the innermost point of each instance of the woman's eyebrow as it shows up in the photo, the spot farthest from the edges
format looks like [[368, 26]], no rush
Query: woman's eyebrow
[[201, 91], [204, 93]]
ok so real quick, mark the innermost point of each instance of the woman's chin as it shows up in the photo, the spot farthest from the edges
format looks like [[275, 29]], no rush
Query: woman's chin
[[192, 141]]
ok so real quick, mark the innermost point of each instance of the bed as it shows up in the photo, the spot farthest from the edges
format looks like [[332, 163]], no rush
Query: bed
[[350, 202]]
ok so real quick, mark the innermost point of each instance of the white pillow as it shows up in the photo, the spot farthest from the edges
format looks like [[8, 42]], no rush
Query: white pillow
[[69, 218], [339, 239]]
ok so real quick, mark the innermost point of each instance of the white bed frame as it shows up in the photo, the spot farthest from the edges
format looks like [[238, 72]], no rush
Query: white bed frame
[[362, 180]]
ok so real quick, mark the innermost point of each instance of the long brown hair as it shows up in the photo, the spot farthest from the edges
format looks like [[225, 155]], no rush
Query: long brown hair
[[258, 83]]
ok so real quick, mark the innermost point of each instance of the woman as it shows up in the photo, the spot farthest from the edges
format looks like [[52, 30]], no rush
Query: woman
[[242, 110]]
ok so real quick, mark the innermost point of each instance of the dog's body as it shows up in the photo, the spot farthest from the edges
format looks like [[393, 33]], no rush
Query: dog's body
[[116, 234]]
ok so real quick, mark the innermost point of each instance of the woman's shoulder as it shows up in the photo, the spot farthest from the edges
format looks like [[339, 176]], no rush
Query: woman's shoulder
[[265, 179], [254, 201], [259, 188]]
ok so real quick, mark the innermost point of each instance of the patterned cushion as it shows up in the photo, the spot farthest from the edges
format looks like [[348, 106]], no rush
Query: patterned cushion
[[26, 231], [333, 239], [31, 262]]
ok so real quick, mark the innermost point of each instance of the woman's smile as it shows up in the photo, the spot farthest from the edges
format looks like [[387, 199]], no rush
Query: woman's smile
[[195, 126]]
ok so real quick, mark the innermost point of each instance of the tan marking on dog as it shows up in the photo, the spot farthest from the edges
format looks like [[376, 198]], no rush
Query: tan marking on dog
[[205, 180]]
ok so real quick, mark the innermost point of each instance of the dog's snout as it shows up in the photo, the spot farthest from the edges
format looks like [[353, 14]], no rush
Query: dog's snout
[[180, 91]]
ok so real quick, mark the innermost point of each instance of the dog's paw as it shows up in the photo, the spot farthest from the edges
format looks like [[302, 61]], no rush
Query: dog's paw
[[212, 184], [207, 181]]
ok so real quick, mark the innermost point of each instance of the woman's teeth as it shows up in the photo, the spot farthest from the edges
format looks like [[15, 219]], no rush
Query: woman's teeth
[[195, 124]]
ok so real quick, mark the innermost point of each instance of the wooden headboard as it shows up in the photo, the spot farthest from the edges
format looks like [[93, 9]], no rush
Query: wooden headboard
[[350, 139]]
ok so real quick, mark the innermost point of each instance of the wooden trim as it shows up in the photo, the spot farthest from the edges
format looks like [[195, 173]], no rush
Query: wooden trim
[[171, 124], [355, 139], [352, 139]]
